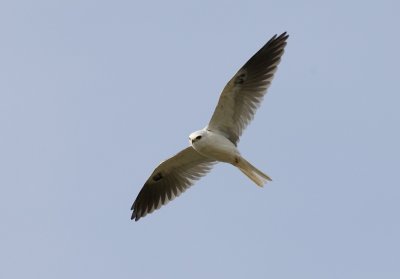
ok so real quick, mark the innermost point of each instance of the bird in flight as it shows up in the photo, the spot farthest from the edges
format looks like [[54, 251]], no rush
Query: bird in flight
[[217, 142]]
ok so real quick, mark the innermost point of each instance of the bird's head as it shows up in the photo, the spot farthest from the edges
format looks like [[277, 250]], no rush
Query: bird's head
[[196, 136]]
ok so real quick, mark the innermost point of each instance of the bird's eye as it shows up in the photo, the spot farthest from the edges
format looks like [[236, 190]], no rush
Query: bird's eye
[[198, 137]]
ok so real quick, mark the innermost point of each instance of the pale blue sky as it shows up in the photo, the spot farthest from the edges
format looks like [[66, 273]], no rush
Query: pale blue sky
[[94, 94]]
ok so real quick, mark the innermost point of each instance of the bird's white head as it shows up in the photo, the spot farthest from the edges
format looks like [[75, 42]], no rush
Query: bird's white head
[[196, 136]]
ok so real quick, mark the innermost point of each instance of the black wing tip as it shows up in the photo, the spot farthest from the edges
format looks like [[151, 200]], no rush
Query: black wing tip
[[278, 39], [276, 44], [282, 36], [134, 216]]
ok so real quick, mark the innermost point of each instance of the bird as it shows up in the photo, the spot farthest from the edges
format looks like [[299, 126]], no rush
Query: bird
[[217, 142]]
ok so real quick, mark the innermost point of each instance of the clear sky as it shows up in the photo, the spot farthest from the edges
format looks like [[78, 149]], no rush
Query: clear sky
[[94, 94]]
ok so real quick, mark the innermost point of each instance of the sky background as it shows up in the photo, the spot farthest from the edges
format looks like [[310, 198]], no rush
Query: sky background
[[94, 94]]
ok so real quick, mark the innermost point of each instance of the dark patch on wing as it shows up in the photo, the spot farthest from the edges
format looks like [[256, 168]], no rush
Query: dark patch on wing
[[158, 176], [240, 79]]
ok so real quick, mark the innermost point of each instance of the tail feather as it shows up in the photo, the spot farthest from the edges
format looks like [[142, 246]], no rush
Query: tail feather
[[252, 172]]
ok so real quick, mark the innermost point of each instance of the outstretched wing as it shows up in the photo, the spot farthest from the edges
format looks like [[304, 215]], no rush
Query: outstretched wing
[[243, 94], [169, 180]]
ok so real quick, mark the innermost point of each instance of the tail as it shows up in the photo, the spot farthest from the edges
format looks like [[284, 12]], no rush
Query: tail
[[252, 172]]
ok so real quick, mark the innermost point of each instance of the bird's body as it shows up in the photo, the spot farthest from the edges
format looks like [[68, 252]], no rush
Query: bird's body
[[214, 146], [217, 142]]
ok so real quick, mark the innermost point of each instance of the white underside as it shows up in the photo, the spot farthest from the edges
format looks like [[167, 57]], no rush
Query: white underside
[[217, 147]]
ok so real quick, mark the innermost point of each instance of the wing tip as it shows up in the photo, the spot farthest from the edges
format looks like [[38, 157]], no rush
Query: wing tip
[[135, 217], [279, 41], [283, 35]]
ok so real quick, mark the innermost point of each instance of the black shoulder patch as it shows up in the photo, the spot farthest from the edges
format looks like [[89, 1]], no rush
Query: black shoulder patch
[[240, 78], [158, 176]]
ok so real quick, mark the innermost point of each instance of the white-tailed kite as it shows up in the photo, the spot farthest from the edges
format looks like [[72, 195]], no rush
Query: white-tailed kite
[[217, 142]]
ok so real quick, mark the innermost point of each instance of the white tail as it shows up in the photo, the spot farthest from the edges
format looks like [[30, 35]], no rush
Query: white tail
[[252, 172]]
